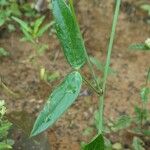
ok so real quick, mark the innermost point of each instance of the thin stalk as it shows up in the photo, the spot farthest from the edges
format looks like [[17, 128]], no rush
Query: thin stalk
[[85, 52], [7, 89], [144, 103], [90, 85], [148, 76], [112, 36]]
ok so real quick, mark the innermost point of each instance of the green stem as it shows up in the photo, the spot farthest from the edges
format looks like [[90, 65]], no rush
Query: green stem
[[148, 76], [144, 103], [112, 36], [85, 52], [90, 85]]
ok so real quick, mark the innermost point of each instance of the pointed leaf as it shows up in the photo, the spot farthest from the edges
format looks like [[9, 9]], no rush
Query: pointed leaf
[[23, 24], [69, 33], [96, 144], [37, 24], [43, 29], [58, 102]]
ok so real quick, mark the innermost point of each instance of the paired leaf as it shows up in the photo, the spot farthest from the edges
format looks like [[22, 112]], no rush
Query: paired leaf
[[68, 33], [96, 144], [58, 102]]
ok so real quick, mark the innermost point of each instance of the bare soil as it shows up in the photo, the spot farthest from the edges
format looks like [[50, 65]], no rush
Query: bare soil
[[21, 74]]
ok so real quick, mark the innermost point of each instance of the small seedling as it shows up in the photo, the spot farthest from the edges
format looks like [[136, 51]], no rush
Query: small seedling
[[33, 31]]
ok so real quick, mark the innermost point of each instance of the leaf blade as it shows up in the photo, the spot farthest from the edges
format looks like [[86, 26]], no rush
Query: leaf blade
[[96, 144], [60, 99], [68, 34]]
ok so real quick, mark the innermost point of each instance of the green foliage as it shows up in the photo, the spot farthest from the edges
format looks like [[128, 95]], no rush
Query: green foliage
[[65, 94], [5, 125], [137, 144], [97, 143], [32, 31], [145, 94], [48, 76], [3, 52], [7, 9], [58, 102], [121, 123], [141, 114], [69, 33]]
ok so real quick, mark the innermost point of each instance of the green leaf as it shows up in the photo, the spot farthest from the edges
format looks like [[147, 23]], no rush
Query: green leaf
[[122, 122], [140, 47], [37, 24], [58, 102], [4, 127], [137, 144], [141, 114], [27, 36], [146, 132], [145, 94], [43, 30], [4, 146], [97, 143], [68, 33], [23, 24], [3, 52], [14, 7]]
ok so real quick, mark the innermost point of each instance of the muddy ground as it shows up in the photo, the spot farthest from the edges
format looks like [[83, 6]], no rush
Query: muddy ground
[[21, 74]]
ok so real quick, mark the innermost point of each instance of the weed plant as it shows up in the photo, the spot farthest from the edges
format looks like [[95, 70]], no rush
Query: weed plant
[[64, 95]]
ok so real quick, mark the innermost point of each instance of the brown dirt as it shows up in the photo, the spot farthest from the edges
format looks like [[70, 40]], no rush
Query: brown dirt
[[22, 75]]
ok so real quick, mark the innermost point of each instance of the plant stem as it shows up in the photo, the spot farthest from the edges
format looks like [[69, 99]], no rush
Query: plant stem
[[85, 52], [112, 36], [7, 89], [89, 84], [148, 76], [144, 103]]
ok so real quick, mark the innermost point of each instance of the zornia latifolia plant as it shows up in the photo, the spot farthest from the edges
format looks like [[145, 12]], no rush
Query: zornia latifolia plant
[[64, 95]]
